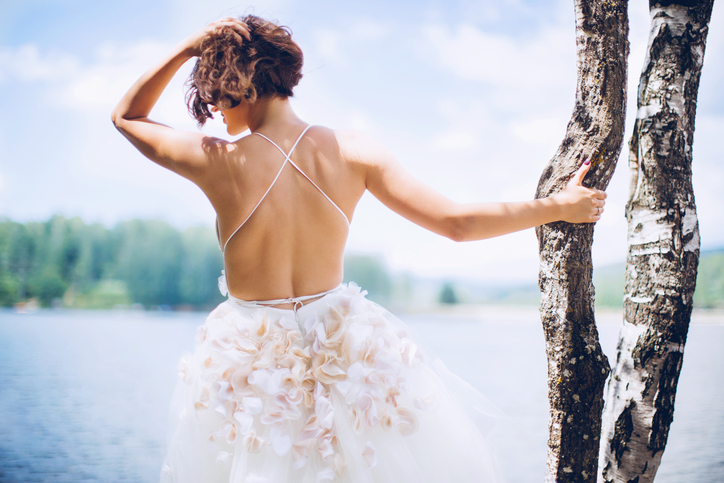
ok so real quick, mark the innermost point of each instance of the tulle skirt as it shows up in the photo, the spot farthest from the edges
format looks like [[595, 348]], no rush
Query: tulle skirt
[[339, 390]]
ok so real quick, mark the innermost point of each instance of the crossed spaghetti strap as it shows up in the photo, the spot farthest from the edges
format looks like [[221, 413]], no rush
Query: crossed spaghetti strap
[[287, 159]]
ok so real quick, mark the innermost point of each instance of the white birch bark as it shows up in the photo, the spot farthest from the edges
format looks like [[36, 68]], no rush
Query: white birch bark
[[663, 240], [577, 368]]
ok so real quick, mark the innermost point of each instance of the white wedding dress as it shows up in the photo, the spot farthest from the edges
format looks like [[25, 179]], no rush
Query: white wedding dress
[[337, 390]]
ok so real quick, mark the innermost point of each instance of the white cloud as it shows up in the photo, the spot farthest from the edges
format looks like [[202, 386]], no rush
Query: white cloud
[[474, 54], [470, 123], [546, 130], [26, 64], [69, 82], [369, 30], [453, 140], [328, 43], [332, 44], [360, 120], [101, 83]]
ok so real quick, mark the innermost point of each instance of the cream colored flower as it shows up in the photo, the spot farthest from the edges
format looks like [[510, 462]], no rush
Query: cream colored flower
[[247, 348], [253, 405], [339, 464], [226, 432], [183, 368], [280, 443], [252, 442], [201, 334], [203, 401], [408, 351], [263, 329], [407, 422], [370, 455], [324, 411], [386, 421], [329, 331], [224, 341], [223, 288], [326, 367], [273, 415], [222, 390], [240, 382], [326, 474], [245, 420], [324, 445], [426, 403]]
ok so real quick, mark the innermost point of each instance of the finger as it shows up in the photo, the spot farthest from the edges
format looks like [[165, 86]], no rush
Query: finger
[[579, 175], [244, 29], [233, 21], [235, 27], [238, 26]]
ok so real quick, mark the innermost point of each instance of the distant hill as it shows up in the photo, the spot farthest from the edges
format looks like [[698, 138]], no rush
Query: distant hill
[[709, 292], [608, 281], [710, 280]]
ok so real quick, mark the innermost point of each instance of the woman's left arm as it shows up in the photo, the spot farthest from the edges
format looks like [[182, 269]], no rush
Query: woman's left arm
[[185, 153], [390, 183]]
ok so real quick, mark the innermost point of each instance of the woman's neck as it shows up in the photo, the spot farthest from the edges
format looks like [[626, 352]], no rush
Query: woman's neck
[[271, 111]]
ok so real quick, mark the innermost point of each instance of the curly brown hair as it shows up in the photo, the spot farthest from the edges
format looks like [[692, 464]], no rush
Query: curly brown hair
[[231, 70]]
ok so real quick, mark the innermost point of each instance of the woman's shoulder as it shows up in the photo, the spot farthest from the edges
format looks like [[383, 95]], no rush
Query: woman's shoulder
[[360, 147]]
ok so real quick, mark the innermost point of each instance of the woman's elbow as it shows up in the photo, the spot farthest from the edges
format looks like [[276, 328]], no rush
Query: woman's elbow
[[117, 118], [119, 115], [457, 228]]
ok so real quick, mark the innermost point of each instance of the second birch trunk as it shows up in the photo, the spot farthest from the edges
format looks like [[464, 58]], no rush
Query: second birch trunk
[[663, 240]]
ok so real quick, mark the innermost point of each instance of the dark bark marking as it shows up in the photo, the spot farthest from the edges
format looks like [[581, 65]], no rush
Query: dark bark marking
[[624, 428]]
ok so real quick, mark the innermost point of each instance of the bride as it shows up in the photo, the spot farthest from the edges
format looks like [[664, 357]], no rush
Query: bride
[[298, 377]]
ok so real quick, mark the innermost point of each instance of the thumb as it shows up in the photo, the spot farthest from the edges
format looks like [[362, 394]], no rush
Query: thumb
[[581, 173]]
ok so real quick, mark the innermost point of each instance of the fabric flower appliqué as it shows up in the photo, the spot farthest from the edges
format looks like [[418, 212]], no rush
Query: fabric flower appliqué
[[261, 375]]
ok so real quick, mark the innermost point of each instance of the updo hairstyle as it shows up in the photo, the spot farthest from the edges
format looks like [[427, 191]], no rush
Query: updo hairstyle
[[231, 69]]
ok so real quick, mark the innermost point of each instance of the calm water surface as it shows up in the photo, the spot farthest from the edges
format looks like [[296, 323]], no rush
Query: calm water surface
[[83, 395]]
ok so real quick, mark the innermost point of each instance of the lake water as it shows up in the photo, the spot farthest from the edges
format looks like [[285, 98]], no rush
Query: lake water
[[83, 395]]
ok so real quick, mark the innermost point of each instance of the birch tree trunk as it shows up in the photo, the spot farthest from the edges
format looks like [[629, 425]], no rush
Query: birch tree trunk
[[577, 368], [663, 241]]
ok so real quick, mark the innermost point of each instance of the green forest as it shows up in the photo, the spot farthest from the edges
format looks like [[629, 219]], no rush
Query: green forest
[[65, 262], [68, 263]]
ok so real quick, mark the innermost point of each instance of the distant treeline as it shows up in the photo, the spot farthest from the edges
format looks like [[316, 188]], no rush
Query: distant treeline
[[709, 294], [66, 262]]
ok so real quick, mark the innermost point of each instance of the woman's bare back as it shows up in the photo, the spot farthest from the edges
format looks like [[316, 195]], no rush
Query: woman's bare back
[[293, 235]]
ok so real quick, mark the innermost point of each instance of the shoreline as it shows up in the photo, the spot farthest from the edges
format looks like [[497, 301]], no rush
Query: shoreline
[[458, 312], [523, 313]]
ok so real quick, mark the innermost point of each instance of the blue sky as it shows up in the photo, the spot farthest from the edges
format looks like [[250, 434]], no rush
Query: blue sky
[[472, 96]]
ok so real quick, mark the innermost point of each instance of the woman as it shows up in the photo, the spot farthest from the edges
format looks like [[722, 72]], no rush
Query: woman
[[298, 377]]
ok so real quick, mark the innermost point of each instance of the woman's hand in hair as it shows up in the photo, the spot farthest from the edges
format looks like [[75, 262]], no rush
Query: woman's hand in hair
[[193, 43]]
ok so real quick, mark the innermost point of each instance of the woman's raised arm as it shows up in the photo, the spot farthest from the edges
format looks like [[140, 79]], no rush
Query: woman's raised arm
[[185, 153], [395, 187]]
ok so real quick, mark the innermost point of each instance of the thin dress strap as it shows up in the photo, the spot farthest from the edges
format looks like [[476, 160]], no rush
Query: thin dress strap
[[288, 300], [286, 160], [305, 175]]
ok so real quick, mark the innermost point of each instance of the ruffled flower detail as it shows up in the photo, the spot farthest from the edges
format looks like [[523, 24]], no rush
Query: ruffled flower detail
[[265, 377], [223, 288]]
